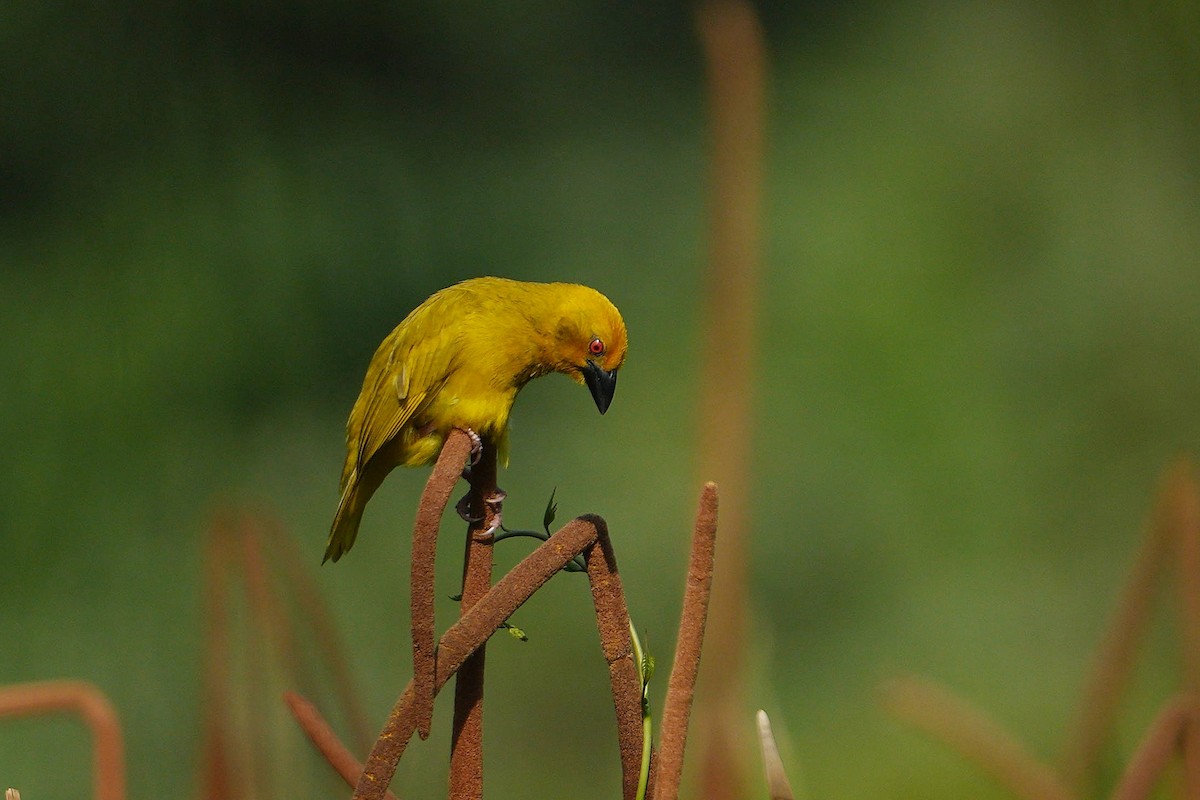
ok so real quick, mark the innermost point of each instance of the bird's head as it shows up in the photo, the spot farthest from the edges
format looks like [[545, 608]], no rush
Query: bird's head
[[590, 342]]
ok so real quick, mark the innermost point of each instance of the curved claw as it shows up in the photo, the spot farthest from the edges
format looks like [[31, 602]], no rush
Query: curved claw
[[490, 533], [463, 509]]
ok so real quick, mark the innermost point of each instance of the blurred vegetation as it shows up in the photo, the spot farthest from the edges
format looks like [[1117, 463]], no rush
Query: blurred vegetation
[[979, 344]]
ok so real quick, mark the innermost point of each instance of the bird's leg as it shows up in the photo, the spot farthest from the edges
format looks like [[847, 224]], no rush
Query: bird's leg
[[463, 506], [476, 451]]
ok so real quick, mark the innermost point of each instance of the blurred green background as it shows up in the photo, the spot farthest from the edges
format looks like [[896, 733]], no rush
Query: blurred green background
[[979, 347]]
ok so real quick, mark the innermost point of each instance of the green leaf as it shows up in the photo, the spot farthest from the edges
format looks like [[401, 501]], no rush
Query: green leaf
[[551, 510]]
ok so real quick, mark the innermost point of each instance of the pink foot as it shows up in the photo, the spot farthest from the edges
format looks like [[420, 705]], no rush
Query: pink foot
[[495, 501]]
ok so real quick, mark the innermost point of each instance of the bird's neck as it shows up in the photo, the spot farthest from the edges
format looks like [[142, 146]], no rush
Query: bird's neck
[[529, 353]]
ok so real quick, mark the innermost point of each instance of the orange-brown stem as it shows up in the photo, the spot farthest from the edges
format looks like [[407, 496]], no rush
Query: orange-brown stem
[[466, 743], [1183, 522], [1181, 514], [1166, 734], [612, 620], [329, 644], [976, 736], [274, 636], [732, 42], [441, 483], [1113, 662], [681, 686], [325, 740], [85, 700]]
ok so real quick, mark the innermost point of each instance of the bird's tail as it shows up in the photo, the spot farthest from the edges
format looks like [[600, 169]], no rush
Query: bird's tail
[[345, 521]]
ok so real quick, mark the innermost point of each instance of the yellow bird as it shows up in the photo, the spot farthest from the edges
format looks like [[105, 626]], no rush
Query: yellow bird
[[458, 361]]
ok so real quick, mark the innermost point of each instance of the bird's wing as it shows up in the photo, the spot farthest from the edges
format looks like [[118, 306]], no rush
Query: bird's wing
[[417, 367]]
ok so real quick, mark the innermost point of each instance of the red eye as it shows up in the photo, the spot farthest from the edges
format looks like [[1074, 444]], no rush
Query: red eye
[[596, 347]]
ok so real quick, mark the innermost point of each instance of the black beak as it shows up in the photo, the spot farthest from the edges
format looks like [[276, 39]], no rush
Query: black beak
[[600, 383]]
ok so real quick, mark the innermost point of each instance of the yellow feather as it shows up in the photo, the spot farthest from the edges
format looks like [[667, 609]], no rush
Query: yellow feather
[[458, 360]]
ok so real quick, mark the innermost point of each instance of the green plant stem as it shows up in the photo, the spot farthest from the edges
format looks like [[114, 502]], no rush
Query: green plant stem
[[574, 565], [639, 656]]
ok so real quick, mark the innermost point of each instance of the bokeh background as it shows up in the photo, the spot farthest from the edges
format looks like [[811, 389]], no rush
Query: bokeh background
[[979, 346]]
